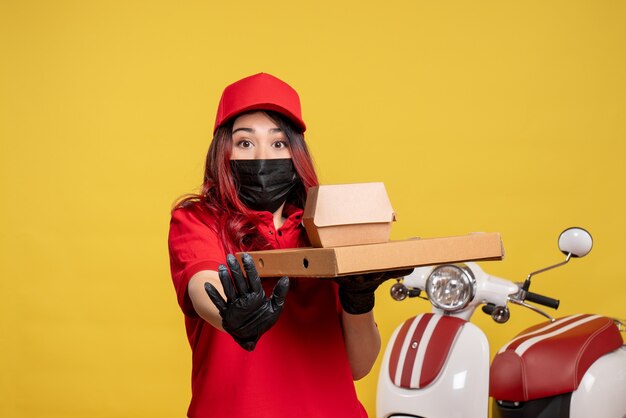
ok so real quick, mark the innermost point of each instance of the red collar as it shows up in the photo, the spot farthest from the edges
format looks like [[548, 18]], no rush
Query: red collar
[[290, 213]]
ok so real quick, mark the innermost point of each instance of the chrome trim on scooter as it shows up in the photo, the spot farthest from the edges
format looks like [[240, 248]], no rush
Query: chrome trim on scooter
[[531, 307], [620, 323], [569, 256]]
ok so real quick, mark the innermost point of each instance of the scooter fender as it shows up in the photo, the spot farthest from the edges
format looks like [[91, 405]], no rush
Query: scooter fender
[[434, 366], [601, 392]]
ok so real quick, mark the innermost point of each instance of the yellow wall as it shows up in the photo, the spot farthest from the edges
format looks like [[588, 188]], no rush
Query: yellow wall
[[478, 115]]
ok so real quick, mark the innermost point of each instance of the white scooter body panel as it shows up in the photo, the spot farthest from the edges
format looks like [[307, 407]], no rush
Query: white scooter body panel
[[602, 390], [460, 390]]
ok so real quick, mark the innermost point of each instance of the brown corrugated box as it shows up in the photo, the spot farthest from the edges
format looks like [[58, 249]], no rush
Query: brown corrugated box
[[350, 225], [347, 260]]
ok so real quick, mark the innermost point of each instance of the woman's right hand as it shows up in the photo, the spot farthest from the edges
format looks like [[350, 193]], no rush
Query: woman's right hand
[[246, 313]]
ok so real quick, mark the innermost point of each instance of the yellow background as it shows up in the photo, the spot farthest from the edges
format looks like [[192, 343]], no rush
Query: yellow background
[[478, 116]]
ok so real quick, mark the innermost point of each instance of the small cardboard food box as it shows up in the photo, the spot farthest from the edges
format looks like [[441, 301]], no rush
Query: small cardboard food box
[[349, 228], [348, 214]]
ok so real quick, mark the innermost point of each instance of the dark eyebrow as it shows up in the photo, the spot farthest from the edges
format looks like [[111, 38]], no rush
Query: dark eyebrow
[[251, 131]]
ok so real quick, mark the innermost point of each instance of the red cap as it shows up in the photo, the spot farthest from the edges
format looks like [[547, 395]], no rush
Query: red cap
[[259, 92]]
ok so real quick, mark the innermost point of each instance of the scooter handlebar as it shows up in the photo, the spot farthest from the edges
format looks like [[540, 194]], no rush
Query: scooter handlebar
[[542, 300]]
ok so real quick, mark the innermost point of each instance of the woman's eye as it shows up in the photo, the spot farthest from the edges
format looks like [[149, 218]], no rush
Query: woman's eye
[[244, 143], [280, 144]]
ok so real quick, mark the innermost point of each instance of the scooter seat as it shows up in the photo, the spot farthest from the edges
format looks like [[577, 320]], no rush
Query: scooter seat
[[552, 357]]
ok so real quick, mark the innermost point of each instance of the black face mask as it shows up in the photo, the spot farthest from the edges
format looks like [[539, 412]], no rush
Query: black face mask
[[264, 185]]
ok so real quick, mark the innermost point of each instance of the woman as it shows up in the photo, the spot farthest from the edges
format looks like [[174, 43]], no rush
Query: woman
[[297, 351]]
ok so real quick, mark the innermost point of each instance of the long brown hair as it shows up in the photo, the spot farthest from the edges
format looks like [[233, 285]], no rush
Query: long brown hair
[[219, 191]]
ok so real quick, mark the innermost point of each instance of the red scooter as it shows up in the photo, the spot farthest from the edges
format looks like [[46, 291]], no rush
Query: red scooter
[[436, 364]]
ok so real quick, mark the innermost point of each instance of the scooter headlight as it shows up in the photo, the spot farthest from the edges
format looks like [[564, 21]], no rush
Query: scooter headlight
[[451, 287]]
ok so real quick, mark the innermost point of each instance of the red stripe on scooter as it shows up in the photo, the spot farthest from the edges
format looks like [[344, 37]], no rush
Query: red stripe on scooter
[[409, 361], [529, 333], [397, 348], [438, 348]]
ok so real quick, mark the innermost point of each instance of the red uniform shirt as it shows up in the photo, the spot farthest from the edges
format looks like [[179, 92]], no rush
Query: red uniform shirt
[[299, 368]]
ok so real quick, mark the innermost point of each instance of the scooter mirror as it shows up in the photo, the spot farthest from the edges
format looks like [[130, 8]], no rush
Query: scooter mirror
[[575, 241]]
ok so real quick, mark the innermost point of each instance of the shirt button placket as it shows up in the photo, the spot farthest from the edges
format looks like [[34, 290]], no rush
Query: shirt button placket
[[272, 235]]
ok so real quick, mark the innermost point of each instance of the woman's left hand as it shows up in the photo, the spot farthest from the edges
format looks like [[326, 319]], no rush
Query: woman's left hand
[[356, 293]]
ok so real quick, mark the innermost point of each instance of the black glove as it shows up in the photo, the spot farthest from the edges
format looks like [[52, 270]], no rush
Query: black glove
[[356, 293], [247, 313]]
